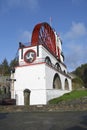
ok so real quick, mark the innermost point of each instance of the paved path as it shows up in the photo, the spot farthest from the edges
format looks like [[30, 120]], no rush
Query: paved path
[[44, 121]]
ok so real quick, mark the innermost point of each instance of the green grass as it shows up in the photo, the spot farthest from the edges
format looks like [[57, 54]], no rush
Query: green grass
[[69, 96]]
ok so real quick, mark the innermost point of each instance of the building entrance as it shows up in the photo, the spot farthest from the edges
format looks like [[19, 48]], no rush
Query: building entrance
[[26, 97]]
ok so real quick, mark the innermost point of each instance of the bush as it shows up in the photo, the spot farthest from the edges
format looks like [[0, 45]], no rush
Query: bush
[[77, 83]]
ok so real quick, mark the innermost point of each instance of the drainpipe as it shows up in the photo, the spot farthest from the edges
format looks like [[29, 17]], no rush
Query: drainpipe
[[37, 50]]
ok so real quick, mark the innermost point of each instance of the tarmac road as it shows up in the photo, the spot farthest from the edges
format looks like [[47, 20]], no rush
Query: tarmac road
[[44, 121]]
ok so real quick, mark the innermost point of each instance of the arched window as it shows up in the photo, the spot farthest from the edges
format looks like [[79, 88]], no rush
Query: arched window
[[48, 61], [66, 84], [57, 82], [64, 71], [57, 66]]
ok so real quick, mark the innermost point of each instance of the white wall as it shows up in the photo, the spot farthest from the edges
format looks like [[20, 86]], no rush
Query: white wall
[[50, 91], [33, 78], [38, 97], [30, 76], [38, 78], [55, 93]]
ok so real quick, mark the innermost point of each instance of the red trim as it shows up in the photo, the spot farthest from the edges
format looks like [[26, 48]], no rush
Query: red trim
[[45, 64], [31, 64], [30, 50]]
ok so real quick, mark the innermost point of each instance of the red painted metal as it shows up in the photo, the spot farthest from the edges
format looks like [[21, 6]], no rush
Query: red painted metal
[[44, 34]]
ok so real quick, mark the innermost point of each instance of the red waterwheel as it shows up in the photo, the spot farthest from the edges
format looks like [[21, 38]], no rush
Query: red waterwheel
[[44, 34]]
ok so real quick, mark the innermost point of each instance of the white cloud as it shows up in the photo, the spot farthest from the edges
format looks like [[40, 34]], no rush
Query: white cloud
[[78, 2], [75, 55], [75, 48], [25, 37], [9, 4], [32, 4], [77, 30]]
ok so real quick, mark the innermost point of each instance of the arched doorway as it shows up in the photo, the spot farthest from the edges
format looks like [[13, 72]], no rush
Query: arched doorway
[[66, 84], [26, 97], [57, 82]]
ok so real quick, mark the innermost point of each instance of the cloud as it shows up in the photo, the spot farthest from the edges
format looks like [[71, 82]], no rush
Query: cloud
[[25, 37], [10, 4], [75, 55], [32, 4], [78, 2], [77, 30], [75, 48]]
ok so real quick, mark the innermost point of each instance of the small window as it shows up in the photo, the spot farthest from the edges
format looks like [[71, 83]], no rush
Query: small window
[[57, 66], [48, 61]]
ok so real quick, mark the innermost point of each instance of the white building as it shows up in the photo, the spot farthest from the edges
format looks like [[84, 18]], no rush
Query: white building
[[41, 74]]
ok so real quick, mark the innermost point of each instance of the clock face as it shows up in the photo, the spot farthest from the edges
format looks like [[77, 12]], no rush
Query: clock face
[[30, 56]]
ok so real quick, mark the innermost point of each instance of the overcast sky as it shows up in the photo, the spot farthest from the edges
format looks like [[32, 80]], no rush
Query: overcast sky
[[18, 18]]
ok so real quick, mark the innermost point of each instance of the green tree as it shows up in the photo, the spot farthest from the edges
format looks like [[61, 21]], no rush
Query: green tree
[[4, 68], [82, 73], [0, 69], [13, 64]]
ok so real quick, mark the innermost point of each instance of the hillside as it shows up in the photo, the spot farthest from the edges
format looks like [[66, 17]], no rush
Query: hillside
[[81, 73], [76, 96]]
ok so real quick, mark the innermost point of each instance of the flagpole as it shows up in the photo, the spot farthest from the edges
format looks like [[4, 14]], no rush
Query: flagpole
[[51, 21]]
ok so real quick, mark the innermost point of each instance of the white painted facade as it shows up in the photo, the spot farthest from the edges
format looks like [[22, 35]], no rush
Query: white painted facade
[[40, 76]]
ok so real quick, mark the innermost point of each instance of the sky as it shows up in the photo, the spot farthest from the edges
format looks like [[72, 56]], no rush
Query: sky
[[68, 18]]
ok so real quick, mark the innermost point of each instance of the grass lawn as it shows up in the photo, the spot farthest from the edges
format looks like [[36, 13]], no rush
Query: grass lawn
[[69, 96]]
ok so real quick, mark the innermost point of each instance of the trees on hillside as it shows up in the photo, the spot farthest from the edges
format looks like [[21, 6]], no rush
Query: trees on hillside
[[82, 73], [5, 67]]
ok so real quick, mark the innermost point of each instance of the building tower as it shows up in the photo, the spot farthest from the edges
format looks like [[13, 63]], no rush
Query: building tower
[[41, 74]]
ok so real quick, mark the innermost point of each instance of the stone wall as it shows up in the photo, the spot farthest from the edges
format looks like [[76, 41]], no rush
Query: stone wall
[[78, 105]]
